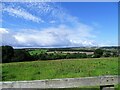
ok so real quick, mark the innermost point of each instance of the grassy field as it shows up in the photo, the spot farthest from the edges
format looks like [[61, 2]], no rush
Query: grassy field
[[37, 51], [36, 70]]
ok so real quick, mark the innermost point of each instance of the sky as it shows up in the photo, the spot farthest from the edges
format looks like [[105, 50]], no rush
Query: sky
[[55, 24]]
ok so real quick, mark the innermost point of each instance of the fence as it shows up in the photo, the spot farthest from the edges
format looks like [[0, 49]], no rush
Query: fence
[[102, 81]]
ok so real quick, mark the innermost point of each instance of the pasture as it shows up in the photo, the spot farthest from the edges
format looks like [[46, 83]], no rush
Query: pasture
[[38, 51], [66, 68], [61, 50]]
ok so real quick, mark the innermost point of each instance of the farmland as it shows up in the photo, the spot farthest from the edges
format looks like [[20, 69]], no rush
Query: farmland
[[9, 54], [65, 68]]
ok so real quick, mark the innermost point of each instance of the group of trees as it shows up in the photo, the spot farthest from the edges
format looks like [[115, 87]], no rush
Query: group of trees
[[98, 53], [70, 49], [103, 53], [54, 56], [17, 55], [11, 55], [7, 53]]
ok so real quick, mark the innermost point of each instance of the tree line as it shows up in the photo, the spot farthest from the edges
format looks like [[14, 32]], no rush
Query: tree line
[[18, 55]]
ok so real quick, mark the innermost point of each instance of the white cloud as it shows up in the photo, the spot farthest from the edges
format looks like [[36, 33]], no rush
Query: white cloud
[[7, 37], [3, 31], [19, 12], [49, 37], [39, 12]]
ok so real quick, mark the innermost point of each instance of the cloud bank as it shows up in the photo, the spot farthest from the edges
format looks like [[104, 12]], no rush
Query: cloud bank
[[61, 36]]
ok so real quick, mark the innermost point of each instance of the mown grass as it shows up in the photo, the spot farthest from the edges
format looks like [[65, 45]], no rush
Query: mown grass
[[72, 68]]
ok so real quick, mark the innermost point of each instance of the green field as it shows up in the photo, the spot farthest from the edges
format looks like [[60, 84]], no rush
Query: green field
[[36, 70], [39, 51]]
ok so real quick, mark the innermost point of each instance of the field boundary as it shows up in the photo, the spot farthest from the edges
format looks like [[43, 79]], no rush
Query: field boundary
[[63, 83]]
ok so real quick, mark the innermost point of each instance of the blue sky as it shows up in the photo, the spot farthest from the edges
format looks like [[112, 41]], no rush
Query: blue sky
[[59, 24]]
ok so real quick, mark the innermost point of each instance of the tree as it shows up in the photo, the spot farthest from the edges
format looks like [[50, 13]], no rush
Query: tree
[[98, 53], [7, 53], [21, 55], [107, 54], [115, 54]]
